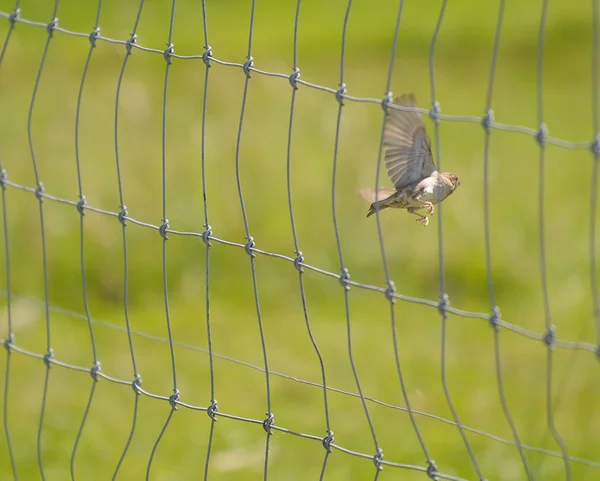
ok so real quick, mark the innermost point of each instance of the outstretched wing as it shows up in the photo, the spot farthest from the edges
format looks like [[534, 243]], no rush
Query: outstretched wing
[[407, 147]]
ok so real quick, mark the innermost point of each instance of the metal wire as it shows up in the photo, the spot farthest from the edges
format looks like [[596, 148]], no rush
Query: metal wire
[[298, 262]]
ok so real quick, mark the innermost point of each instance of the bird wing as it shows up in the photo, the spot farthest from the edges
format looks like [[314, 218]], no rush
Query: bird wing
[[407, 147]]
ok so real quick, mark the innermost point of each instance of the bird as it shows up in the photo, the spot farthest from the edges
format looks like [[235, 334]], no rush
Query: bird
[[410, 167]]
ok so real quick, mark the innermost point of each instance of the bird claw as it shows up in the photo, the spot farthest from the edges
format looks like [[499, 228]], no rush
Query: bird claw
[[424, 221], [428, 207]]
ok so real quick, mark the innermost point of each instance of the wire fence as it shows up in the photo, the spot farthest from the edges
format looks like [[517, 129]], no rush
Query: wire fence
[[297, 261]]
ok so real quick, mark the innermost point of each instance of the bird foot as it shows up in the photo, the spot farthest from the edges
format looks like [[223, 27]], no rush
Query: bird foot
[[428, 207], [424, 221]]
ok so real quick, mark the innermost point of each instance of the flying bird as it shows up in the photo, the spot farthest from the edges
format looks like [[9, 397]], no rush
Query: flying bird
[[418, 185]]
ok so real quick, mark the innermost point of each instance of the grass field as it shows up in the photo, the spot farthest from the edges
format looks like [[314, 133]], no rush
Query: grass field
[[462, 72]]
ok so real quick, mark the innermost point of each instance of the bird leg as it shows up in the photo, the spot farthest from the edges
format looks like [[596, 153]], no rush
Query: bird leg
[[428, 206], [423, 219]]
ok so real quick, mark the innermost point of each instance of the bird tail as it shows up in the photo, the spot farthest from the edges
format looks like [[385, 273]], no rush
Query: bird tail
[[376, 198]]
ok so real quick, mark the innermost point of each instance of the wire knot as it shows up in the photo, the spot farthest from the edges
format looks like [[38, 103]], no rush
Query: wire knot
[[387, 100], [328, 441], [80, 206], [298, 261], [130, 43], [390, 291], [8, 342], [207, 234], [293, 78], [3, 178], [212, 410], [39, 192], [488, 120], [51, 27], [136, 384], [377, 459], [247, 67], [207, 55], [95, 370], [168, 53], [550, 337], [48, 357], [435, 112], [595, 146], [122, 215], [495, 318], [339, 95], [432, 470], [444, 304], [345, 278], [12, 18], [92, 37], [249, 246], [164, 227], [542, 135], [174, 398], [269, 423]]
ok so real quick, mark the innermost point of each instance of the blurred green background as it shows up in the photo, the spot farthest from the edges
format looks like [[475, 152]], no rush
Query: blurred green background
[[462, 64]]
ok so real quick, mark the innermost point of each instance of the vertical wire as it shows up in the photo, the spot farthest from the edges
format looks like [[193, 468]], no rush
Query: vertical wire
[[10, 335], [391, 287], [163, 230], [80, 208], [296, 73], [123, 213], [39, 195], [442, 280], [213, 400], [495, 317], [250, 242], [345, 275], [542, 243]]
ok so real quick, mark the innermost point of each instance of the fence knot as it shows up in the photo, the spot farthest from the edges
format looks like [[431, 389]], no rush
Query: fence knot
[[164, 227], [80, 206], [293, 78], [249, 246], [269, 423], [345, 278], [122, 215], [168, 53], [378, 458], [390, 291], [48, 357], [207, 55], [298, 261], [328, 441], [339, 95], [435, 112], [12, 18], [3, 178], [174, 398], [136, 384], [8, 342], [51, 27], [550, 337], [495, 318], [39, 192], [247, 67], [387, 100], [95, 370], [212, 410], [444, 304], [595, 146], [207, 234], [432, 470], [92, 37], [130, 43], [488, 120], [542, 135]]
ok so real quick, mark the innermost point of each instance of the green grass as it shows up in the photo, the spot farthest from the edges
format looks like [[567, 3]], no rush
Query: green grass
[[462, 64]]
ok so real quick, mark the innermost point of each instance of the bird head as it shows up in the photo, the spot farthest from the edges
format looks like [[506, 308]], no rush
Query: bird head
[[453, 179]]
